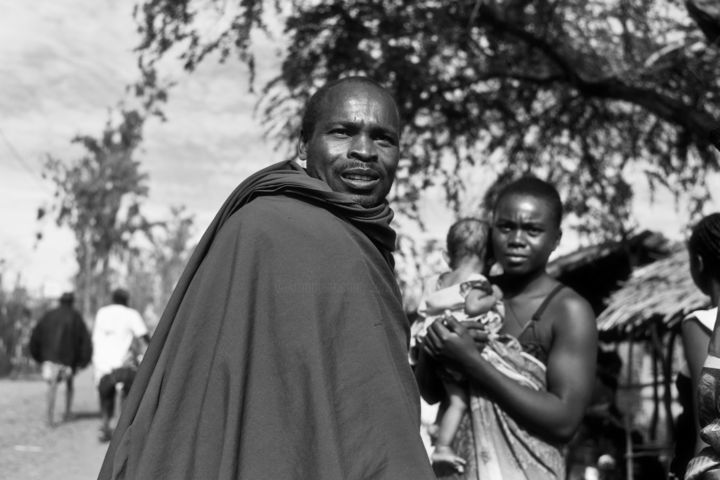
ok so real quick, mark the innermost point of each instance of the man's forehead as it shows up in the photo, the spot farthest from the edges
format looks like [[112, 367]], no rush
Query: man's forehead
[[357, 88], [346, 98]]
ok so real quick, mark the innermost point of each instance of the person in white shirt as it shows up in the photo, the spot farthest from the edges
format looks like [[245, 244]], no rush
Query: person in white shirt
[[115, 357]]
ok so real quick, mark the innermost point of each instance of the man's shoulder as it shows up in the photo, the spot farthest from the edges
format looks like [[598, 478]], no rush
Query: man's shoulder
[[104, 310], [53, 312], [271, 212], [280, 204], [52, 318], [114, 310], [45, 318], [41, 324], [115, 316]]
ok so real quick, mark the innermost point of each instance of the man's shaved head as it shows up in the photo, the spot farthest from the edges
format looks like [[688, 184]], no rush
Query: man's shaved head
[[313, 105]]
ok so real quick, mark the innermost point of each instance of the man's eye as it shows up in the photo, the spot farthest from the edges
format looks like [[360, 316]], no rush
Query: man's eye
[[339, 132], [386, 141]]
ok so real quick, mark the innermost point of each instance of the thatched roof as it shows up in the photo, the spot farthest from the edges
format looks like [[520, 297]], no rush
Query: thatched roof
[[598, 270], [663, 290]]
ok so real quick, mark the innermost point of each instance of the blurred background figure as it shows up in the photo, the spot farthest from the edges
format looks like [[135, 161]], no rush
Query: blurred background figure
[[704, 253], [60, 342], [116, 358]]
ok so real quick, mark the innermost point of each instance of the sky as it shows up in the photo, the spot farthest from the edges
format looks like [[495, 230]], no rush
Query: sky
[[65, 64]]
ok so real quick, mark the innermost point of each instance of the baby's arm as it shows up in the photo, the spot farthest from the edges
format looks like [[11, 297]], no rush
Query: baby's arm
[[478, 302], [481, 297]]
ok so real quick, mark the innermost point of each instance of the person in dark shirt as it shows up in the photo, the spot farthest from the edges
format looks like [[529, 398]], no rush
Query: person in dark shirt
[[60, 343]]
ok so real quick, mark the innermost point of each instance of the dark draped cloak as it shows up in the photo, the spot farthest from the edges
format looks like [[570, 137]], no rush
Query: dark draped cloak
[[282, 351], [61, 336]]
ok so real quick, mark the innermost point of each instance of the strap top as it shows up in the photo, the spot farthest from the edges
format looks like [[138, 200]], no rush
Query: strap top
[[534, 346]]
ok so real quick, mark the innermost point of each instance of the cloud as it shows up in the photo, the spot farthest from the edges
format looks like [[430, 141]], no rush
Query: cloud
[[64, 65]]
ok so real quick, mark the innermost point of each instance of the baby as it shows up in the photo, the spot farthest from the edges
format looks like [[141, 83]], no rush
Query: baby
[[466, 295]]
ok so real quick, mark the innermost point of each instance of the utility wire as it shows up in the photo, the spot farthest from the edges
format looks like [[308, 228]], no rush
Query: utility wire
[[23, 163]]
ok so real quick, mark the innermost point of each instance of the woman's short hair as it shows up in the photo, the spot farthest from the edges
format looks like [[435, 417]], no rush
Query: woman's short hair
[[705, 242], [537, 188]]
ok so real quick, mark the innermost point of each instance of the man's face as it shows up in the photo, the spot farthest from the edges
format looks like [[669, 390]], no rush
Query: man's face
[[354, 145], [524, 233]]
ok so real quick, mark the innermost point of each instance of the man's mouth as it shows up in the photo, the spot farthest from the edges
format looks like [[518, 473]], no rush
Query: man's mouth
[[360, 178]]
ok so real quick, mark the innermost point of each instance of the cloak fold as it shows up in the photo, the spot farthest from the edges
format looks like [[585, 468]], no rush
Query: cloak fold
[[282, 351]]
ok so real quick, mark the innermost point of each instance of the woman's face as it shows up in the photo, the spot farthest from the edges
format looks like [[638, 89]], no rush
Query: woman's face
[[525, 232]]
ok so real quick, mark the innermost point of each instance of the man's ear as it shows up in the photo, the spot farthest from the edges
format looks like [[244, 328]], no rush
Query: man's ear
[[302, 149]]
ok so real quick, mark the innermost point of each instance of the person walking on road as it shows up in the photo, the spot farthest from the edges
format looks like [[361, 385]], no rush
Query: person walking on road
[[117, 327], [60, 342]]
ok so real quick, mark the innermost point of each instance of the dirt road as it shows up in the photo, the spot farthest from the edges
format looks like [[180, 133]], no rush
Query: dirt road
[[29, 450]]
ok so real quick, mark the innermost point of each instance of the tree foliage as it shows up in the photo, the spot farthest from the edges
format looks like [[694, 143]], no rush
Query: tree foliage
[[98, 196], [154, 271], [580, 93], [16, 322]]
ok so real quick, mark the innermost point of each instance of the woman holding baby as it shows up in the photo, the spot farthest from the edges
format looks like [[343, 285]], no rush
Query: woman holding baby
[[529, 385]]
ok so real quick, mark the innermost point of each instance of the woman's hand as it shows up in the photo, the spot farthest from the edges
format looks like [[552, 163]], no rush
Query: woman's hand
[[478, 332], [448, 338]]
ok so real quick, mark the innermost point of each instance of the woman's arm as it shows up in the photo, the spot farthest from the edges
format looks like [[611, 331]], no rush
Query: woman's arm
[[695, 341], [554, 414]]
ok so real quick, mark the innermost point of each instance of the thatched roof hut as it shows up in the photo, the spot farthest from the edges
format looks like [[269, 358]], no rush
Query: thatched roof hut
[[598, 270], [647, 308], [660, 291]]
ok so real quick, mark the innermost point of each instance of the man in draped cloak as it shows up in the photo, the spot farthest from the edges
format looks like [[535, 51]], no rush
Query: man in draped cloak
[[282, 353]]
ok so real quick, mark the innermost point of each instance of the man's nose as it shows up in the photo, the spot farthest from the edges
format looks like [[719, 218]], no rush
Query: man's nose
[[363, 148]]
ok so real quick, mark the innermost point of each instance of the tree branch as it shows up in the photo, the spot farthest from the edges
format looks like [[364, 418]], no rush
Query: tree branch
[[704, 126]]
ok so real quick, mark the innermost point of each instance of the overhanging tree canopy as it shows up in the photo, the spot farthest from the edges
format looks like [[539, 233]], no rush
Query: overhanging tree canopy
[[578, 92]]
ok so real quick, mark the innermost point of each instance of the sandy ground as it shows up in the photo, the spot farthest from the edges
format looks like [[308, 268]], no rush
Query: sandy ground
[[30, 450]]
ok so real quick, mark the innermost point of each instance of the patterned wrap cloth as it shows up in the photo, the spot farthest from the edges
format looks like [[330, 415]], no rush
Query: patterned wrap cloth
[[492, 443], [706, 465]]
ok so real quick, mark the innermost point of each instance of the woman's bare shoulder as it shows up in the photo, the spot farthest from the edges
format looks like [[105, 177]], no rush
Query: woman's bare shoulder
[[573, 309]]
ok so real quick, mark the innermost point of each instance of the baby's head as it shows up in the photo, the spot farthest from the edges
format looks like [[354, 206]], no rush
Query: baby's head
[[466, 238]]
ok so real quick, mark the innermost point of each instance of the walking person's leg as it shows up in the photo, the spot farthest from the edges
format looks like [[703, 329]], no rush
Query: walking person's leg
[[50, 375], [69, 394], [126, 375], [106, 391], [51, 393]]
